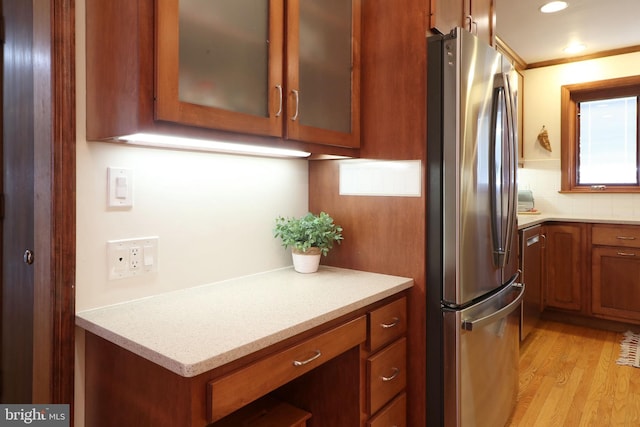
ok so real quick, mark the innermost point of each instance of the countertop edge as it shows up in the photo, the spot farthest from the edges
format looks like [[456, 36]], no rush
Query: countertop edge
[[525, 221]]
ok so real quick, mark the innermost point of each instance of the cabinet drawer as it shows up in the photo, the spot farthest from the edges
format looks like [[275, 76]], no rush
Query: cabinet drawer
[[616, 235], [387, 323], [394, 414], [386, 374], [231, 392]]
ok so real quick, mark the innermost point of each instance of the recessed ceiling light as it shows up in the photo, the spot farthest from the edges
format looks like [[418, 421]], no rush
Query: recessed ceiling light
[[554, 6], [574, 48]]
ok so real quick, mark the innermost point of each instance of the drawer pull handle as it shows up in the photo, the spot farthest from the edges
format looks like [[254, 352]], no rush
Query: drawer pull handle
[[626, 254], [394, 323], [396, 372], [625, 238], [309, 360]]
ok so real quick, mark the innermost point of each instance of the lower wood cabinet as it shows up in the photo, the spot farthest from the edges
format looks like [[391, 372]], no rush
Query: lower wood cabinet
[[565, 265], [615, 272], [593, 270], [346, 373]]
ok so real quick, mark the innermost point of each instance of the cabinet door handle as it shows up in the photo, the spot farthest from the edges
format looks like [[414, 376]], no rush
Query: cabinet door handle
[[296, 94], [625, 238], [279, 87], [317, 354], [626, 254], [394, 322], [472, 24], [396, 372]]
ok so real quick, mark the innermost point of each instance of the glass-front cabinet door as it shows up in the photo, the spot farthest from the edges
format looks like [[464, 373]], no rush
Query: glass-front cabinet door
[[323, 71], [219, 64]]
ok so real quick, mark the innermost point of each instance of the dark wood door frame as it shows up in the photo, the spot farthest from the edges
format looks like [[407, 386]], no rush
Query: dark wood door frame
[[55, 187]]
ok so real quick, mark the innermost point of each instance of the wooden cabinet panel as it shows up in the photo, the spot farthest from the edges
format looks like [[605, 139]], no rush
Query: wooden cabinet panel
[[235, 390], [564, 261], [615, 283]]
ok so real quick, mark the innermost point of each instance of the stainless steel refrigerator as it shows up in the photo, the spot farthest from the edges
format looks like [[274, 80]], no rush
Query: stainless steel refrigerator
[[473, 294]]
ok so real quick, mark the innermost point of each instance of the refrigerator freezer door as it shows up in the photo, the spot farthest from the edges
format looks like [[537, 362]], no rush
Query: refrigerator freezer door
[[479, 161], [481, 352]]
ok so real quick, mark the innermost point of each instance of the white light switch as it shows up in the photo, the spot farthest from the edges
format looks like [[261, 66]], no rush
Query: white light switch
[[119, 187], [148, 256]]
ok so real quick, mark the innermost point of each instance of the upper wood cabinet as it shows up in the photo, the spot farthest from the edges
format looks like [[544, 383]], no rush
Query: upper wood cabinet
[[444, 15], [476, 16], [288, 69], [480, 19]]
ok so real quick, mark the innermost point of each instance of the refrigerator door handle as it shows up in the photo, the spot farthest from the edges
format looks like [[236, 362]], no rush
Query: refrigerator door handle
[[502, 166], [469, 325], [512, 153]]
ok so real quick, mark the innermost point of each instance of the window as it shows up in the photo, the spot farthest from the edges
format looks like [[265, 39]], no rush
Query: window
[[600, 138]]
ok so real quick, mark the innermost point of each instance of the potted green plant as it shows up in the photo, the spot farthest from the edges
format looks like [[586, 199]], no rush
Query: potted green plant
[[309, 237]]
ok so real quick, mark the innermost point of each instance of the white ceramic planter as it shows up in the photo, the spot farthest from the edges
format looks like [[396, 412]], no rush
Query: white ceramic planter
[[306, 262]]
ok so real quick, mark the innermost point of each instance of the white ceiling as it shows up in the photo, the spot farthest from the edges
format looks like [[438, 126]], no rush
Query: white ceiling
[[599, 24]]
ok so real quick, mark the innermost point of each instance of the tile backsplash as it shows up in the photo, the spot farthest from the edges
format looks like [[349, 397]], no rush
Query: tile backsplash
[[542, 177]]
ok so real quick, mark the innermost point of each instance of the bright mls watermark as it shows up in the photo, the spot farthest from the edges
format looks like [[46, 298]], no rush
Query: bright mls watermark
[[34, 415]]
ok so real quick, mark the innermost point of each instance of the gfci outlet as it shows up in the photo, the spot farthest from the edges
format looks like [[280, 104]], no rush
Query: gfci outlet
[[132, 257]]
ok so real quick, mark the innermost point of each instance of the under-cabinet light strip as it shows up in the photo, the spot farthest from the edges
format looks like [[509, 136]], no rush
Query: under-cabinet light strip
[[164, 141]]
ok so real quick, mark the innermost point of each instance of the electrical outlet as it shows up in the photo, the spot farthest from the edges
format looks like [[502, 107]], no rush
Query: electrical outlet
[[132, 257]]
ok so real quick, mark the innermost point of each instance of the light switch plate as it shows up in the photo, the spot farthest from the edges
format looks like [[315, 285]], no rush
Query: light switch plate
[[119, 187]]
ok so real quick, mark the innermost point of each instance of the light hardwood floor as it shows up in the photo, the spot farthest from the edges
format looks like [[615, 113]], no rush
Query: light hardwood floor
[[569, 377]]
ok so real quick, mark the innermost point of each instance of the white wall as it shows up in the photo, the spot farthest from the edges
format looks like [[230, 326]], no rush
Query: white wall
[[214, 214], [541, 172]]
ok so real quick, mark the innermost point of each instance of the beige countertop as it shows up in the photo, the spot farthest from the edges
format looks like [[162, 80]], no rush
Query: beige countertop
[[198, 329], [525, 221]]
